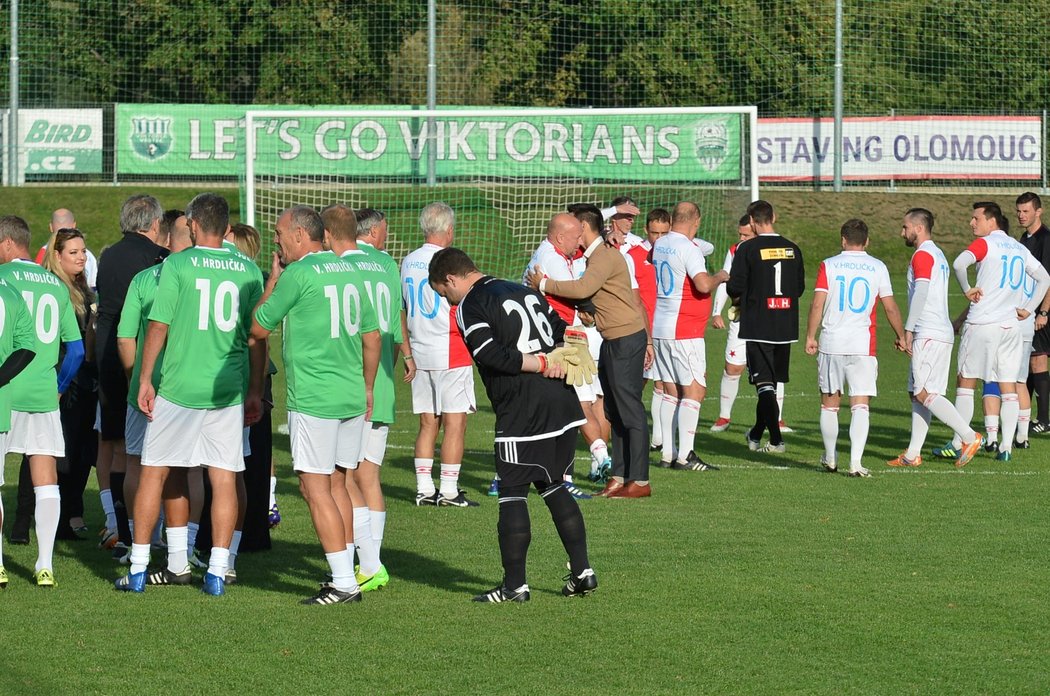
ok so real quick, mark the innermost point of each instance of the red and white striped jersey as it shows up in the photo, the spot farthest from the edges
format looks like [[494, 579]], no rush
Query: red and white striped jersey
[[854, 282], [432, 332], [645, 276], [1002, 264], [556, 266], [929, 265], [682, 311]]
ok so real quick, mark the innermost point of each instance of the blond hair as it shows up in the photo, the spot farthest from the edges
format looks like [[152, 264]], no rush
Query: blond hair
[[79, 292]]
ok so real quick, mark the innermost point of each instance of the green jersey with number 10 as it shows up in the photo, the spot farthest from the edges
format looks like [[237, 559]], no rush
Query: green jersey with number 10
[[206, 296], [16, 333], [328, 309], [35, 389]]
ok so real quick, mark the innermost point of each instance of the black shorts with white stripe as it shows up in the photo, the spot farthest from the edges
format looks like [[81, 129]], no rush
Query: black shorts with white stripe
[[523, 462]]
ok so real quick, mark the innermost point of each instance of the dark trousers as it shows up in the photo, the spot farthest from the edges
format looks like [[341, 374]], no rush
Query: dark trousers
[[620, 365]]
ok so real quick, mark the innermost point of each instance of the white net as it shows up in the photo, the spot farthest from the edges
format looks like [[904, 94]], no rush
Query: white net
[[504, 172]]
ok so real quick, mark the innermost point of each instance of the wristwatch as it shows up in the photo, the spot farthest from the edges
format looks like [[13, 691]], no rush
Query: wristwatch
[[1042, 313]]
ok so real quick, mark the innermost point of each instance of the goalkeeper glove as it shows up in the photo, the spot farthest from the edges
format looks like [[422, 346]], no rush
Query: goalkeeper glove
[[564, 357], [733, 313], [586, 370]]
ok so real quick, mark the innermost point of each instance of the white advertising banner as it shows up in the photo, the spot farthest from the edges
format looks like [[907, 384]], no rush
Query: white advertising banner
[[901, 148]]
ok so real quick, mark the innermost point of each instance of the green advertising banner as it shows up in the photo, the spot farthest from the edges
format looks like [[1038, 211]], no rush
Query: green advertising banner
[[198, 140], [59, 141]]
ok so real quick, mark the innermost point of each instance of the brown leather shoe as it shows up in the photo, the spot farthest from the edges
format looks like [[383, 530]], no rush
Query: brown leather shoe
[[633, 490], [611, 487]]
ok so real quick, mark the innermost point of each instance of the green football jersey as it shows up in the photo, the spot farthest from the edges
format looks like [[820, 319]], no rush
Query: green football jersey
[[35, 389], [134, 319], [206, 297], [16, 333], [327, 310], [382, 279]]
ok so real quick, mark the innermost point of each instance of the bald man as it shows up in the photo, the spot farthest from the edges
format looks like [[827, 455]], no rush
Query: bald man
[[63, 219]]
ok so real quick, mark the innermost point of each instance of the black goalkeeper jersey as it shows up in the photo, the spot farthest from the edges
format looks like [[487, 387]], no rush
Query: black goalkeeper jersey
[[769, 278], [499, 321]]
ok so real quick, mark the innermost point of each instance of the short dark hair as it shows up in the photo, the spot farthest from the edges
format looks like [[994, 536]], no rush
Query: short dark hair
[[450, 262], [368, 218], [993, 211], [658, 215], [855, 232], [761, 212], [589, 214], [621, 200], [340, 220], [210, 211], [306, 217], [744, 221], [167, 222], [922, 216], [1030, 197], [16, 229]]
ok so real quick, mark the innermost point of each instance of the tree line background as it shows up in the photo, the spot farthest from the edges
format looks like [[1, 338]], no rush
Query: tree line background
[[927, 56]]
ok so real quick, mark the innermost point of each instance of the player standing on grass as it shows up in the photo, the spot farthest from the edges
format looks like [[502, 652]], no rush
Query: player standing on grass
[[1036, 238], [200, 317], [331, 353], [683, 307], [511, 332], [849, 287], [348, 234], [991, 343], [766, 281], [36, 429], [443, 383]]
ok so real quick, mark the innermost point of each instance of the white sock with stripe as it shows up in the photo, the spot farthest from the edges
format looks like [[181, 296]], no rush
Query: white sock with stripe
[[424, 476]]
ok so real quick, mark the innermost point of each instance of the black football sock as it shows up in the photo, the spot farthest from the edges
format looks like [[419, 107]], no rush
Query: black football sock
[[1041, 384], [515, 534], [769, 413], [568, 520]]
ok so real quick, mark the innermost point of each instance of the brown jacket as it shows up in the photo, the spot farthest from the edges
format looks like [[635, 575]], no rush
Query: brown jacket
[[608, 280]]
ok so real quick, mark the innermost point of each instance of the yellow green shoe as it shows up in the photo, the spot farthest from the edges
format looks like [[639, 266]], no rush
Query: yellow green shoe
[[380, 579], [3, 578], [45, 578]]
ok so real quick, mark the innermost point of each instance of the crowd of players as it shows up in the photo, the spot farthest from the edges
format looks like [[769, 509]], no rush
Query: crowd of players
[[178, 340]]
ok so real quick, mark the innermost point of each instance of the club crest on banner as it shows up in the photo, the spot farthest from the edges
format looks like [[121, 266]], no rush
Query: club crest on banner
[[151, 138], [711, 144]]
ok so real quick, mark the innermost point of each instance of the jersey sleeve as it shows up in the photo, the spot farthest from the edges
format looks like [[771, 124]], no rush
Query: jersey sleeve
[[284, 296], [631, 271], [481, 340], [694, 261], [822, 279], [396, 303], [922, 266], [885, 286], [979, 248], [168, 291], [131, 314], [69, 328], [738, 275], [369, 318]]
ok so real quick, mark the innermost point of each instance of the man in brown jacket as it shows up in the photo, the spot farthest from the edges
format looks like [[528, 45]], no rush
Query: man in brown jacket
[[626, 350]]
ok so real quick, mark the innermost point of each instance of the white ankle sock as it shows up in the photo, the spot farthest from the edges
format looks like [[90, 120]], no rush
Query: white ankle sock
[[450, 480], [424, 478], [178, 545], [367, 552], [48, 504]]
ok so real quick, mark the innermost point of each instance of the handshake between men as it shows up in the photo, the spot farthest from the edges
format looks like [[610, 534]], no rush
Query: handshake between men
[[573, 360]]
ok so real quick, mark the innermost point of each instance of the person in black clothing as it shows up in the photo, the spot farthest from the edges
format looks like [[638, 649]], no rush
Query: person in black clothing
[[765, 282], [140, 219], [1036, 238], [512, 332]]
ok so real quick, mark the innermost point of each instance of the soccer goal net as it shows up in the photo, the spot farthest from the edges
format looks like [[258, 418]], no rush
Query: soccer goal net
[[505, 172]]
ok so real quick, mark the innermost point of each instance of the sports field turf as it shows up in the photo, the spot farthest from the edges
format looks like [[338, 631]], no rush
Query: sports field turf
[[767, 576]]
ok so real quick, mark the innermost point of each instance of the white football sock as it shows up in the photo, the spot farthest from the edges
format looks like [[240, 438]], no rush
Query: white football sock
[[106, 497], [450, 480], [1009, 413], [219, 561], [235, 545], [367, 552], [378, 527], [273, 491], [727, 394], [964, 407], [178, 540], [688, 417], [655, 404], [780, 401], [920, 427], [858, 435], [1024, 419], [829, 430], [947, 414], [599, 453], [424, 479], [342, 565], [668, 413], [139, 558], [48, 504], [991, 427]]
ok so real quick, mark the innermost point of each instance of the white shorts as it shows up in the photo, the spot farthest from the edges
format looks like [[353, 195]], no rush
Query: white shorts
[[588, 393], [187, 437], [736, 347], [594, 343], [1026, 357], [930, 362], [444, 391], [246, 445], [682, 360], [860, 372], [134, 431], [3, 453], [374, 448], [990, 352], [319, 445], [36, 433]]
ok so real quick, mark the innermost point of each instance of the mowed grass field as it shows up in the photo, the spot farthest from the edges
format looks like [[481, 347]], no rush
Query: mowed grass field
[[768, 576]]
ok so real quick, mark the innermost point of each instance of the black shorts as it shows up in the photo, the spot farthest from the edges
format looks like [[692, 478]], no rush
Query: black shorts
[[535, 461], [113, 400], [768, 362], [1041, 341]]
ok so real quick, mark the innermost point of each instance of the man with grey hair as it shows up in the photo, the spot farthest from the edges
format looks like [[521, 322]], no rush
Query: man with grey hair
[[137, 250], [439, 365], [372, 228]]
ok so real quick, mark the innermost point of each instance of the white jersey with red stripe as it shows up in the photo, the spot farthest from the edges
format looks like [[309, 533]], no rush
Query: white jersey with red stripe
[[432, 332], [682, 311], [929, 265], [1002, 265], [854, 281], [721, 296], [556, 266]]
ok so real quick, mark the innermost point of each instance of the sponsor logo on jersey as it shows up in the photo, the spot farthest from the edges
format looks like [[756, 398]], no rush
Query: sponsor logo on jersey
[[151, 138], [777, 253], [711, 144]]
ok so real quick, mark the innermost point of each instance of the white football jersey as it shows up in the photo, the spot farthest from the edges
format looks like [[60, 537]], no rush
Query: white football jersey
[[854, 282], [432, 332], [682, 311], [721, 296], [928, 265], [555, 266], [1002, 265]]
